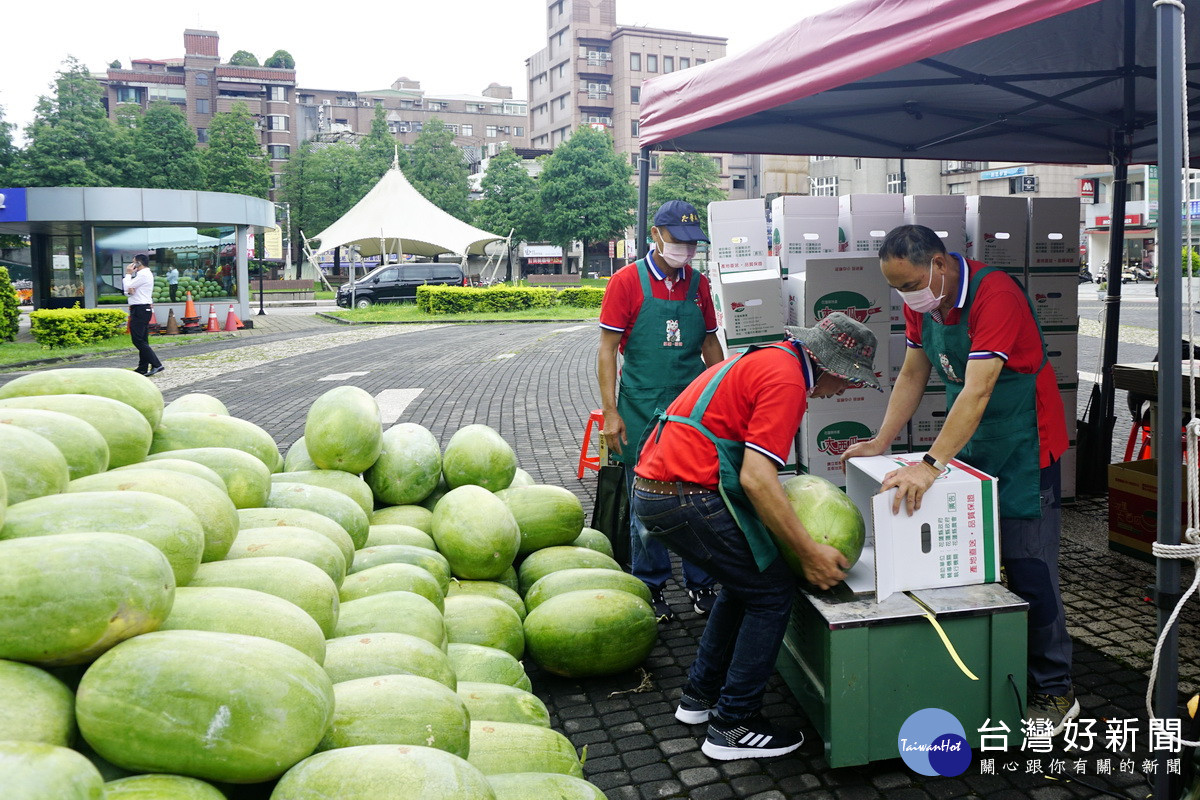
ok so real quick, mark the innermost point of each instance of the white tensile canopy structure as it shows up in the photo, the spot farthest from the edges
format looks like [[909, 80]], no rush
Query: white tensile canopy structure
[[394, 217]]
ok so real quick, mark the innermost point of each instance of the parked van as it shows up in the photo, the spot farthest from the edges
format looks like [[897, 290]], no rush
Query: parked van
[[396, 283]]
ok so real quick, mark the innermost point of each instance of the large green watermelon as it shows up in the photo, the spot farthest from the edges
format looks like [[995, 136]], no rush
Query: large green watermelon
[[571, 580], [500, 703], [594, 540], [536, 785], [829, 516], [179, 465], [392, 612], [374, 772], [160, 787], [217, 706], [297, 457], [197, 402], [551, 559], [165, 523], [475, 619], [333, 504], [81, 445], [342, 430], [591, 632], [431, 561], [350, 485], [290, 542], [294, 580], [409, 465], [187, 430], [502, 747], [301, 518], [31, 465], [125, 431], [547, 515], [247, 480], [474, 662], [40, 771], [394, 577], [476, 533], [477, 454], [121, 385], [418, 517], [398, 709], [364, 656], [35, 706], [493, 589], [399, 534], [228, 609], [69, 597]]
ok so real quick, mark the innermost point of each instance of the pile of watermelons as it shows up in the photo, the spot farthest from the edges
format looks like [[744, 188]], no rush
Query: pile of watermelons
[[199, 287], [187, 614]]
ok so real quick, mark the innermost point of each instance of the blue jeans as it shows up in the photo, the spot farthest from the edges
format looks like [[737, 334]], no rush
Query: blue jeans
[[745, 629], [651, 561], [1029, 553]]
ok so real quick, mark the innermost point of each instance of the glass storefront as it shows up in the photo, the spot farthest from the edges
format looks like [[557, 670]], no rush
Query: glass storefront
[[204, 261], [66, 269]]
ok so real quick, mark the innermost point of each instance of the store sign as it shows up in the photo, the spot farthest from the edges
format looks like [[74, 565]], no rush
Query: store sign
[[1130, 219], [543, 260], [1087, 188], [997, 174], [12, 205], [541, 251]]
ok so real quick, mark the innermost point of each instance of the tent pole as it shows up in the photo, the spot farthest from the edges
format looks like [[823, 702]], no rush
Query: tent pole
[[1170, 411], [1112, 302], [643, 194]]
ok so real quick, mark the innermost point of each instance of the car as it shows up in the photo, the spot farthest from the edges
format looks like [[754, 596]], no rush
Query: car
[[397, 283]]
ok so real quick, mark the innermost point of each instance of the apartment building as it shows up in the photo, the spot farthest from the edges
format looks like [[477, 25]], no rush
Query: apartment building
[[591, 73], [287, 115]]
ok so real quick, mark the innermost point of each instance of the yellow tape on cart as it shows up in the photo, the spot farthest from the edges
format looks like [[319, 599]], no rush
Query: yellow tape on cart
[[929, 615]]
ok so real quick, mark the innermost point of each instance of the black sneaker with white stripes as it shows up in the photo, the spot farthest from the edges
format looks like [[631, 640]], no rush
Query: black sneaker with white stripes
[[753, 737], [692, 711]]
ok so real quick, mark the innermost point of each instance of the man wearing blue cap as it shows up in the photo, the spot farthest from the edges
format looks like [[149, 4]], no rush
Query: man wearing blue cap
[[658, 313]]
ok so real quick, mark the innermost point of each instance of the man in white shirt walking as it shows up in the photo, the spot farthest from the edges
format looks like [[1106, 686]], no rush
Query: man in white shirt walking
[[139, 287]]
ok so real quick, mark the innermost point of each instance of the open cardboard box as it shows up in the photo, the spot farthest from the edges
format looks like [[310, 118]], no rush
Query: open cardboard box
[[952, 540]]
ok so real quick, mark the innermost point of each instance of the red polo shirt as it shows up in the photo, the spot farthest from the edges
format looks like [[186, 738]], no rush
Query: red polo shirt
[[760, 402], [623, 297], [1002, 325]]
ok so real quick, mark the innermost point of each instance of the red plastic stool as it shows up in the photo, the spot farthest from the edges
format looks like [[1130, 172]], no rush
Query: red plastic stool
[[595, 419], [1144, 447]]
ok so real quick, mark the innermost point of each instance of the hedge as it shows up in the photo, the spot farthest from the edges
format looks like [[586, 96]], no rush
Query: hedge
[[468, 299], [9, 308], [72, 327]]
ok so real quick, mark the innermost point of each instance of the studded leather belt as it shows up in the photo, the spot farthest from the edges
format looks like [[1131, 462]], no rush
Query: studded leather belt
[[670, 487]]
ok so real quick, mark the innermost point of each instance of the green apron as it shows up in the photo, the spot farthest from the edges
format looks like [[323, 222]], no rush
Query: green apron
[[729, 464], [1006, 443], [662, 356]]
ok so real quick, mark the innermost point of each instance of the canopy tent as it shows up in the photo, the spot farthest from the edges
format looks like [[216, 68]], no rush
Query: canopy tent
[[143, 239], [1054, 81], [396, 217]]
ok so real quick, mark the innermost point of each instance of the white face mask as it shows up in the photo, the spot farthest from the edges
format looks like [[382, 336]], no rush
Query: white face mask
[[924, 300], [676, 254]]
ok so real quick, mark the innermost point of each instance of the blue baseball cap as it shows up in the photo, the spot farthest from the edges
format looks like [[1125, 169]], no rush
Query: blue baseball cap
[[681, 219]]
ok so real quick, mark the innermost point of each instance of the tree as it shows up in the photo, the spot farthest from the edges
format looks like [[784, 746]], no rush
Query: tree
[[114, 64], [71, 141], [586, 191], [280, 59], [243, 58], [378, 149], [510, 199], [438, 170], [164, 150], [234, 159], [8, 152], [333, 182], [687, 176]]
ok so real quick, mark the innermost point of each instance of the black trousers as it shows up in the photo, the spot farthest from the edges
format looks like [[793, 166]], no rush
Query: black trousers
[[174, 288], [139, 332]]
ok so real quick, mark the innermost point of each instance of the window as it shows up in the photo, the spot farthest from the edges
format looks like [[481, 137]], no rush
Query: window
[[562, 70], [1137, 192], [562, 101], [895, 183], [956, 188], [202, 79], [821, 158], [520, 131], [739, 181], [468, 130], [277, 92], [453, 129], [562, 38], [201, 135], [668, 63], [172, 94], [684, 63], [823, 187], [858, 163], [418, 127], [491, 131], [635, 62], [633, 127], [128, 94], [635, 94], [276, 181], [277, 122], [651, 63], [203, 105], [306, 99], [699, 61], [717, 160]]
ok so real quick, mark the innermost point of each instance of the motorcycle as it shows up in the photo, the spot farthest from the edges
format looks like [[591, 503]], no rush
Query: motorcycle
[[1084, 275]]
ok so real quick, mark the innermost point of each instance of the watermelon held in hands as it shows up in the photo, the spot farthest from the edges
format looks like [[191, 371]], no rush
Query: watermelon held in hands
[[477, 454], [829, 516]]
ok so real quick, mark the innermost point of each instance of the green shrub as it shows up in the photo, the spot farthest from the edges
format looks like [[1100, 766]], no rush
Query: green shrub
[[581, 296], [467, 299], [9, 308], [72, 327], [1189, 257]]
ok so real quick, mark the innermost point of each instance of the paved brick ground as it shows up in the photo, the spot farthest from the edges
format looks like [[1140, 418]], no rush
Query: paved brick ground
[[535, 384]]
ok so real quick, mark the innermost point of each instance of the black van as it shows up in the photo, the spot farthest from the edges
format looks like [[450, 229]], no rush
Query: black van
[[395, 283]]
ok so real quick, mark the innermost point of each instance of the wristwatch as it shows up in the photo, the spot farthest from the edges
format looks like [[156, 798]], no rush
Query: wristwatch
[[940, 466]]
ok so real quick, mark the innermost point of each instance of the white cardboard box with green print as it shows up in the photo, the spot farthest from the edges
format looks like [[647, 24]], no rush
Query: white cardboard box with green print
[[952, 540]]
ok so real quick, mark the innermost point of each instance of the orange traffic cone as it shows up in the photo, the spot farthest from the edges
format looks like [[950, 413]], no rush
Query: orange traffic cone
[[232, 323], [128, 319], [172, 323], [189, 309], [213, 325], [153, 326]]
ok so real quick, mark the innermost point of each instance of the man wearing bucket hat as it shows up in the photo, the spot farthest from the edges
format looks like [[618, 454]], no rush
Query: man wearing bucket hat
[[707, 487], [1004, 416], [657, 312]]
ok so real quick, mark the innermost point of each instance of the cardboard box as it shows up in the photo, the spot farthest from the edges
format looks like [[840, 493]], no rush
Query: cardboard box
[[738, 229], [793, 299], [1133, 507], [1054, 231], [1069, 463], [865, 220], [998, 231], [827, 433], [1063, 351], [897, 350], [1055, 298], [848, 282], [952, 540], [802, 226], [927, 420], [750, 305], [1070, 410], [946, 214]]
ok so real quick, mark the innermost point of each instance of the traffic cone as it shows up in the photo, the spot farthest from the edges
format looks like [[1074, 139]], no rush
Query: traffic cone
[[189, 310], [213, 325], [172, 324], [232, 323], [153, 326]]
